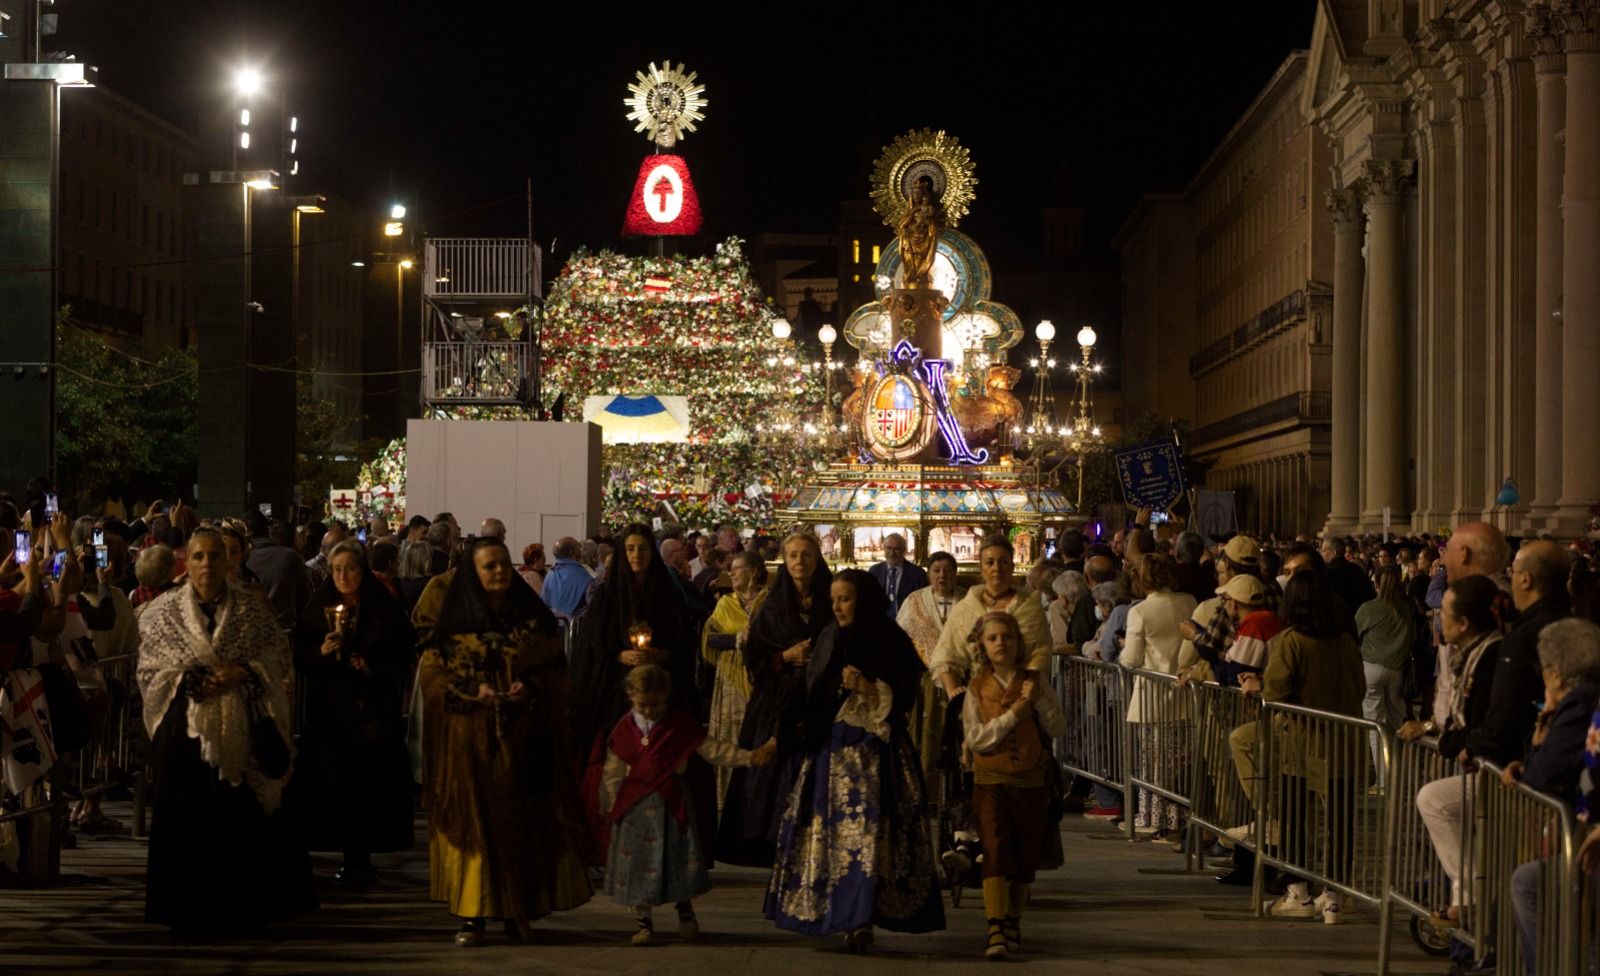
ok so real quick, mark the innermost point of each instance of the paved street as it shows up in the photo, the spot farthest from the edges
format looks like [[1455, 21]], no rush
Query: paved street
[[1107, 914]]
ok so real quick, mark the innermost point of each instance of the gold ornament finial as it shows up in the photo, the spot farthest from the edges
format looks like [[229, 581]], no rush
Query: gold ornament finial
[[666, 102], [918, 153]]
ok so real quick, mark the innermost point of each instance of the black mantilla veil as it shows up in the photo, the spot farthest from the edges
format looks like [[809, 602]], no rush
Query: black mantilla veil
[[873, 644], [466, 607], [624, 600], [755, 796]]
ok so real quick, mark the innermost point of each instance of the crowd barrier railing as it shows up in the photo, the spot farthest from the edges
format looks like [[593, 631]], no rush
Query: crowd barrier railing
[[1159, 760], [1317, 817], [1529, 848], [1220, 801], [1094, 699], [1419, 883]]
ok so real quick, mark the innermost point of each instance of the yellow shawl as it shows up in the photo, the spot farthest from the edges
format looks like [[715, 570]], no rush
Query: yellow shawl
[[730, 617]]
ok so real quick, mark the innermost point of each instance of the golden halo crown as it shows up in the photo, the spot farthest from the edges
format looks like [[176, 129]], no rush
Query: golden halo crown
[[919, 152], [666, 102]]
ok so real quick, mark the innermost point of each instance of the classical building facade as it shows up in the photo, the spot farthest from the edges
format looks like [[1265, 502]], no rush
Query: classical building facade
[[1466, 141], [1226, 306], [1456, 170]]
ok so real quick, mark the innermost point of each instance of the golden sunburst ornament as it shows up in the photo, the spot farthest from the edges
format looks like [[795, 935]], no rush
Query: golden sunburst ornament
[[917, 153], [666, 102]]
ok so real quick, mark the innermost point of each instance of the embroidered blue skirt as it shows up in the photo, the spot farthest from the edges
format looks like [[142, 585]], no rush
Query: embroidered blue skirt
[[852, 846]]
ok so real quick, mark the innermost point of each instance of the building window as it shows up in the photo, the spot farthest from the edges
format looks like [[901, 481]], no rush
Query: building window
[[855, 252], [877, 254]]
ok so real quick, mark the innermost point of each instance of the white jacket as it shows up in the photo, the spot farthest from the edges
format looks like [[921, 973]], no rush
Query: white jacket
[[1154, 642]]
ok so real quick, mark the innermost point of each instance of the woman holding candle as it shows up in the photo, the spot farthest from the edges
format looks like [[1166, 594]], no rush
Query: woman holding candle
[[355, 650], [506, 836], [637, 617]]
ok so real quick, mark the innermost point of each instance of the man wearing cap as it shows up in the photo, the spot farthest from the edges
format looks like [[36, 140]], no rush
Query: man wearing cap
[[1244, 599], [1210, 630]]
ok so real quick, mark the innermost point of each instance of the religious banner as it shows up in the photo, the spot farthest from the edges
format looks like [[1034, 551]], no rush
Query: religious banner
[[664, 203], [1152, 474], [1215, 514]]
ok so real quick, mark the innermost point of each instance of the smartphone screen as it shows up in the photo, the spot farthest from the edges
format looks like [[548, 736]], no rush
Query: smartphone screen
[[21, 547], [51, 506], [99, 538], [58, 564], [102, 555], [361, 536]]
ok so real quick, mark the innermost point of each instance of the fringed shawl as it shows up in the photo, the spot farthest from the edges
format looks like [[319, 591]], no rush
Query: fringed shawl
[[173, 641]]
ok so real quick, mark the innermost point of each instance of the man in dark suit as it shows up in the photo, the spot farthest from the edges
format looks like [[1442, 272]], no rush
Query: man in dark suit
[[898, 577]]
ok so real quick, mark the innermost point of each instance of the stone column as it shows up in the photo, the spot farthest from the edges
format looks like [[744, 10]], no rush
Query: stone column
[[1550, 80], [1385, 469], [1349, 227], [1580, 313]]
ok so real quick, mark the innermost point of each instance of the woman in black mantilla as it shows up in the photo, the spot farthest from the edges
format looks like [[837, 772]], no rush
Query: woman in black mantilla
[[775, 654], [852, 851], [637, 593], [354, 772], [213, 663]]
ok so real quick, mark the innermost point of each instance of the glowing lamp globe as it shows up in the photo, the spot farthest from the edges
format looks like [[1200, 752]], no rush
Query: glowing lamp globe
[[827, 335], [1086, 336], [1045, 331], [781, 329]]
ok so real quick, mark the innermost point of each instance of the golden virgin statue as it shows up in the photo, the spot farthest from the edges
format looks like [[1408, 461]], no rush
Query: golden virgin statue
[[919, 233]]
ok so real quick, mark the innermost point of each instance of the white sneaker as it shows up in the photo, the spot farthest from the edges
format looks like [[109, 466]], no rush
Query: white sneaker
[[1290, 907], [1329, 904]]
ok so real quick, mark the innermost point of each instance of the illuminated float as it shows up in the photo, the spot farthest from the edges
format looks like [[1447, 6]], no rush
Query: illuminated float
[[932, 432]]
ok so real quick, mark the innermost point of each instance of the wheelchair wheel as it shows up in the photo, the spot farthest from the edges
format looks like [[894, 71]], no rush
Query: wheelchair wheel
[[1430, 938]]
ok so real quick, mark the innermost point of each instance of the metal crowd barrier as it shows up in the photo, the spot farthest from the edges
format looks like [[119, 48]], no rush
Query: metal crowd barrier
[[1419, 883], [1158, 744], [1314, 816], [1220, 800], [1094, 699], [114, 757], [1529, 842]]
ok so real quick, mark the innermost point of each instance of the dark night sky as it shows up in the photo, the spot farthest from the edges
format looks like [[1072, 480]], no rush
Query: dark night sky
[[450, 105]]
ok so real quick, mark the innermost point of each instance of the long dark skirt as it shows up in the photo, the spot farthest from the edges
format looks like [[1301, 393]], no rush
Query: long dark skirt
[[353, 783], [852, 848], [747, 829], [217, 862]]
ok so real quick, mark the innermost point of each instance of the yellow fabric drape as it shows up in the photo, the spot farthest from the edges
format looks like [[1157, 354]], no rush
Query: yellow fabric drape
[[730, 617]]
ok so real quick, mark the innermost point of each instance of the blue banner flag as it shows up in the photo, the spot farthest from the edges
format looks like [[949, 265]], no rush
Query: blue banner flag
[[1152, 474]]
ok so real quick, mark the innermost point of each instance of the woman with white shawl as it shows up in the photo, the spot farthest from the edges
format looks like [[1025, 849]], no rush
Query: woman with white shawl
[[213, 666]]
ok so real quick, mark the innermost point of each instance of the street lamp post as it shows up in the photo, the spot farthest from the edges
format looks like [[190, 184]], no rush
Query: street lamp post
[[1083, 430]]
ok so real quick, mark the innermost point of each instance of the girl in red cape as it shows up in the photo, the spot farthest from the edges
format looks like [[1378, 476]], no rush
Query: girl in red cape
[[656, 854]]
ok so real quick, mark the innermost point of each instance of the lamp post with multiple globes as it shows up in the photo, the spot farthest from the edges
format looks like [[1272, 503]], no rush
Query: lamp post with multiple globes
[[1082, 433]]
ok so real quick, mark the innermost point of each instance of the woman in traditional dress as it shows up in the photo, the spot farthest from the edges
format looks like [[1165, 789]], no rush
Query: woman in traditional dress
[[213, 665], [356, 648], [923, 616], [853, 852], [956, 653], [506, 833], [637, 617], [775, 655], [722, 645]]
